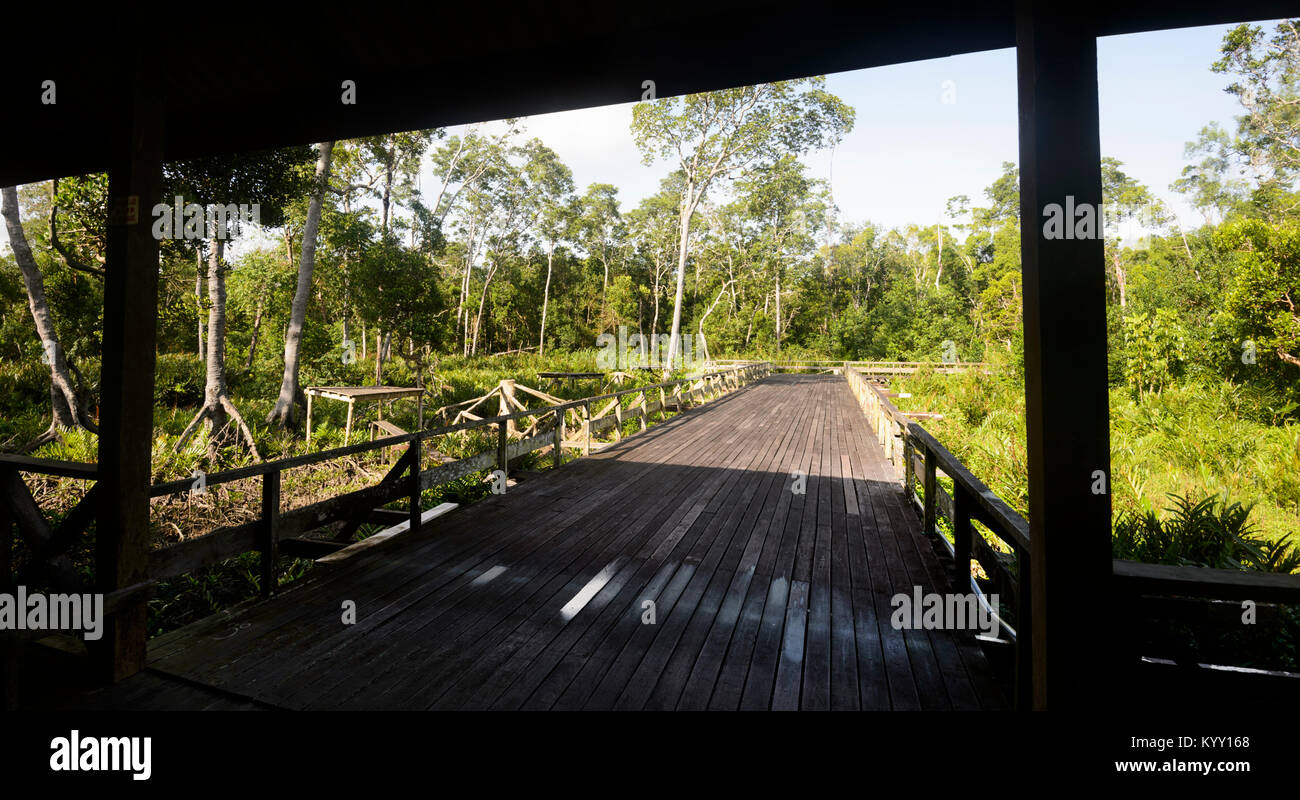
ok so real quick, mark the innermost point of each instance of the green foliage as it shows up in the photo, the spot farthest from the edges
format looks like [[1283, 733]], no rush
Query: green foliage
[[1210, 532], [178, 379], [1154, 348]]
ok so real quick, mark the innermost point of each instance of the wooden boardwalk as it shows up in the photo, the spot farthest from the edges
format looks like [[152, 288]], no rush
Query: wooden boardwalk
[[537, 599]]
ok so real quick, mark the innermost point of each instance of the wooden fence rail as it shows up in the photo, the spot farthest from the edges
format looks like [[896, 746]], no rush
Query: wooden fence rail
[[865, 367]]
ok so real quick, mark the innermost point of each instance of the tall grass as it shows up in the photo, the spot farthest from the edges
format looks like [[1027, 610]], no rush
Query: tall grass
[[1171, 452]]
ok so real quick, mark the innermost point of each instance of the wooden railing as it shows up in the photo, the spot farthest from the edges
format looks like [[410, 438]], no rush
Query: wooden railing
[[865, 367], [1145, 591], [275, 531], [919, 458]]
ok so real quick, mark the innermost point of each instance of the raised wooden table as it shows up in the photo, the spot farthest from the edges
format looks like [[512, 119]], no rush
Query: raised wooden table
[[556, 377], [351, 394]]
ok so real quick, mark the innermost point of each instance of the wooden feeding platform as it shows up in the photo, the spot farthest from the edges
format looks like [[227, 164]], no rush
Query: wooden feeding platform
[[366, 394], [571, 377]]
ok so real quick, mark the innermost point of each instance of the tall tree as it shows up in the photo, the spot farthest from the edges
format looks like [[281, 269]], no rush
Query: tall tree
[[268, 179], [552, 183], [1267, 83], [598, 224], [67, 407], [717, 135], [284, 412]]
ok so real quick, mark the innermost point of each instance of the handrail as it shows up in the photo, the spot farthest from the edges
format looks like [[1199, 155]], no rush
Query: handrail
[[971, 500]]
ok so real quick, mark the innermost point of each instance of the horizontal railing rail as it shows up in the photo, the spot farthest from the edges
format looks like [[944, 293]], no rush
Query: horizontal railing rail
[[868, 367]]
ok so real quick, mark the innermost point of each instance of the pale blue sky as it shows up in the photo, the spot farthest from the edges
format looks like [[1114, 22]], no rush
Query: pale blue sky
[[909, 151]]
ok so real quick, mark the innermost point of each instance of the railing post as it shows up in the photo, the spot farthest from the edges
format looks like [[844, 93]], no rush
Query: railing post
[[559, 437], [909, 472], [270, 529], [645, 413], [618, 419], [931, 499], [961, 536], [413, 481], [586, 428], [502, 438]]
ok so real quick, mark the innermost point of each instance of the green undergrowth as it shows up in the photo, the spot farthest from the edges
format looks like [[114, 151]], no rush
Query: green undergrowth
[[1171, 452]]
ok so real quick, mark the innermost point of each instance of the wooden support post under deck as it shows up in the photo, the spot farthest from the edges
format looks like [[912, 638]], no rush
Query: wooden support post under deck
[[123, 537], [270, 533], [309, 399], [347, 429], [1066, 397]]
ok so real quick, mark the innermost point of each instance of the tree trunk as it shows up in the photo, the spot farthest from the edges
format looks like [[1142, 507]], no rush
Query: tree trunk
[[546, 297], [704, 339], [1121, 280], [939, 258], [198, 297], [67, 409], [778, 313], [478, 321], [688, 209], [257, 329], [285, 411], [654, 320], [604, 291], [215, 384], [218, 410]]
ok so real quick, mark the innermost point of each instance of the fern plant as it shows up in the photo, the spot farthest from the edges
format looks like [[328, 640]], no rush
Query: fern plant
[[1209, 532]]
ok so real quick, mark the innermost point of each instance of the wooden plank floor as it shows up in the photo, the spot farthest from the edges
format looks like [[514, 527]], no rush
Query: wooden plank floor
[[540, 598]]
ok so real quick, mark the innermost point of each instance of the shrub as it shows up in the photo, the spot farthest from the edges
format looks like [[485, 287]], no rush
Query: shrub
[[1210, 532], [179, 379]]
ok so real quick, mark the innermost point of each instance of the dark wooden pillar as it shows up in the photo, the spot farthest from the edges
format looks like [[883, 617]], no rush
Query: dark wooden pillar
[[126, 408], [1065, 354]]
